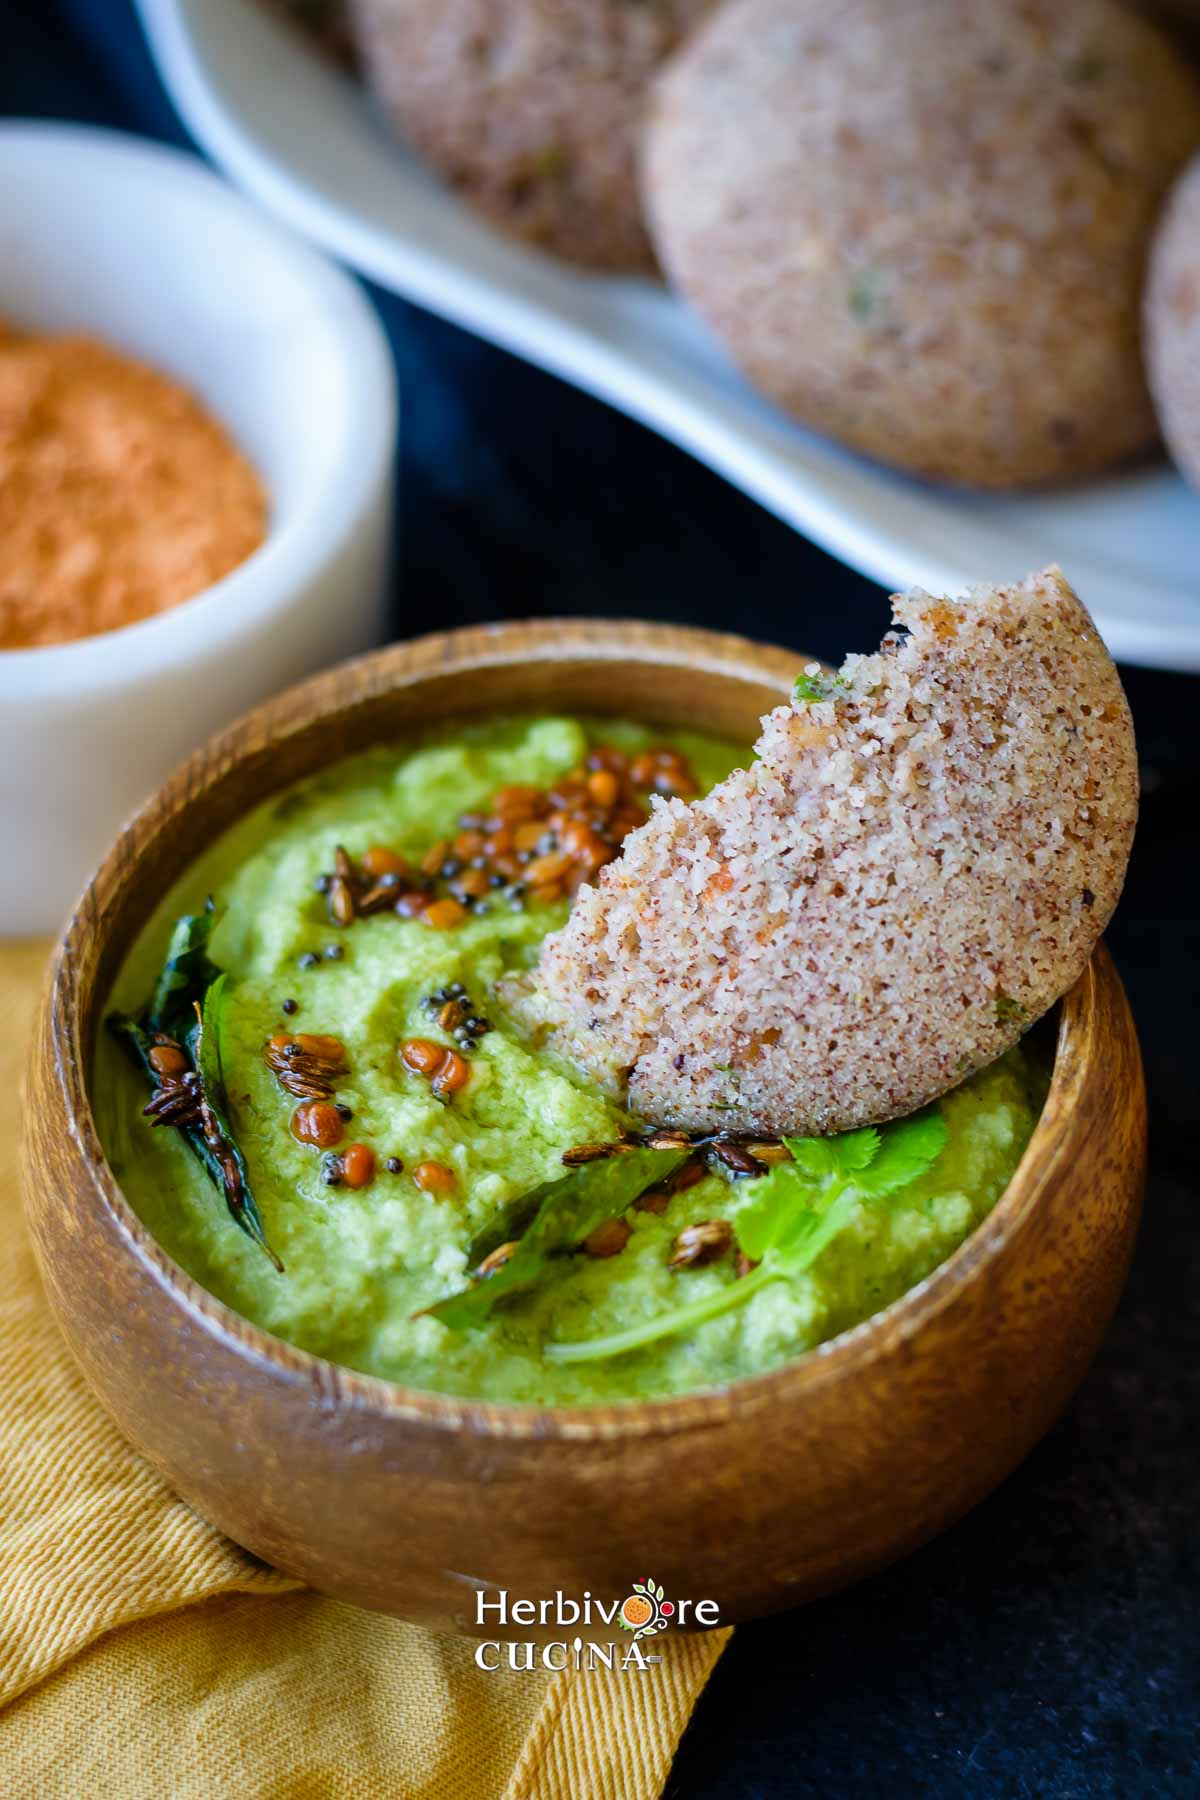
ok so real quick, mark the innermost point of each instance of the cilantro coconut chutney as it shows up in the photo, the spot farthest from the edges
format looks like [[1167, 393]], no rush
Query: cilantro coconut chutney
[[316, 1098]]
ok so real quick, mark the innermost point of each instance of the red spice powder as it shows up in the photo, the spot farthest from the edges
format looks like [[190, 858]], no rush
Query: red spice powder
[[120, 495]]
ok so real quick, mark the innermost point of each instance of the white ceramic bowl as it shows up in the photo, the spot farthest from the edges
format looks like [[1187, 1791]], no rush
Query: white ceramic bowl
[[144, 247]]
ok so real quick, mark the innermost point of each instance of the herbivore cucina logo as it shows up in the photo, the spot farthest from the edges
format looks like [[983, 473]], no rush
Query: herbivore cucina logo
[[643, 1613]]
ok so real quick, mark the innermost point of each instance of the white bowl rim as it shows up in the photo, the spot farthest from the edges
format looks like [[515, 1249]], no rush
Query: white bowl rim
[[265, 581]]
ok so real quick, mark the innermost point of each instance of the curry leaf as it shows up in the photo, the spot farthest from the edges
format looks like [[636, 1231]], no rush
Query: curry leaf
[[135, 1040], [199, 1032], [512, 1221], [187, 974], [205, 1045], [567, 1211]]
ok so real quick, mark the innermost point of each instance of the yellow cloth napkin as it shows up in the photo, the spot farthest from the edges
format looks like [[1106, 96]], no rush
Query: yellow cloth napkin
[[142, 1654]]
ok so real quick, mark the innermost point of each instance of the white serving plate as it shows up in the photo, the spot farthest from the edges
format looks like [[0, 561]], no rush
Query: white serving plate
[[304, 139]]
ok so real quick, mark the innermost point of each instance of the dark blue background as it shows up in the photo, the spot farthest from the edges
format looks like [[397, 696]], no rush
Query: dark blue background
[[1050, 1645]]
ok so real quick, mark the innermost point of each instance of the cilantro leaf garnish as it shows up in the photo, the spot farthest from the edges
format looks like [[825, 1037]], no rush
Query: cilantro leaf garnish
[[795, 1212], [564, 1213], [846, 1154], [808, 689], [814, 683], [906, 1151]]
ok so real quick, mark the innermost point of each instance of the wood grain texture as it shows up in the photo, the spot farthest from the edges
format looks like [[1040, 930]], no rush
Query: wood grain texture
[[759, 1495]]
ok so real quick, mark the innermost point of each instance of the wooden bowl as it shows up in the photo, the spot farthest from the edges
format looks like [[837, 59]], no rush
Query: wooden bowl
[[758, 1495]]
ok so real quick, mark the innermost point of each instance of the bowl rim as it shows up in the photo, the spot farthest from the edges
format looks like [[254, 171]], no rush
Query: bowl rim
[[265, 582], [447, 653]]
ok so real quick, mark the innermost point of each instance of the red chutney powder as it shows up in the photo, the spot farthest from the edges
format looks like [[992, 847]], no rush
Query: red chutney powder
[[120, 495]]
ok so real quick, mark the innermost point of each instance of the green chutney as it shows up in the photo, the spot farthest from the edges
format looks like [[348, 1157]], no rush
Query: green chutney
[[361, 1265]]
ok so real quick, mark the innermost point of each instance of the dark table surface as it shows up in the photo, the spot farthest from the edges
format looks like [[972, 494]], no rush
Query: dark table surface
[[1050, 1644]]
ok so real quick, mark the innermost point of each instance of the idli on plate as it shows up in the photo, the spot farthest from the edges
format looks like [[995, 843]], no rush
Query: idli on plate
[[1173, 323], [530, 108], [922, 228]]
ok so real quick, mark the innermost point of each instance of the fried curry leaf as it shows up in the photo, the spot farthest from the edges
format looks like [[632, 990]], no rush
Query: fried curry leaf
[[198, 1030], [567, 1211], [204, 1043], [512, 1221], [135, 1040], [797, 1210], [187, 974], [137, 1043]]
